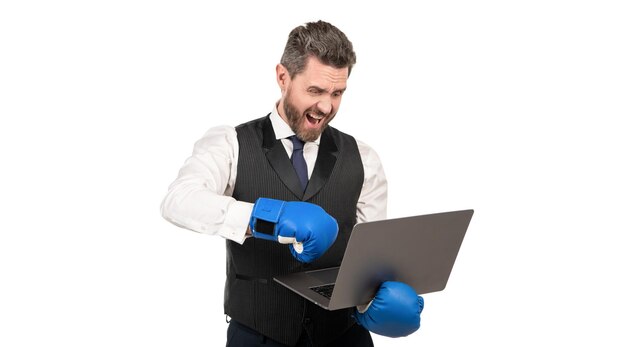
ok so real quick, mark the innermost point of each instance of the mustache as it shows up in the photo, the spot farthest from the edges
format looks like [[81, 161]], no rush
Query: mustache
[[316, 112]]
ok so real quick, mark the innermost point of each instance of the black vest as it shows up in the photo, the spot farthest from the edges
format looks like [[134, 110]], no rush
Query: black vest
[[251, 296]]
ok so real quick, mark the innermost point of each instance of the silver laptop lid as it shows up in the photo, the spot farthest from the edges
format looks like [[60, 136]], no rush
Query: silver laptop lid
[[418, 250]]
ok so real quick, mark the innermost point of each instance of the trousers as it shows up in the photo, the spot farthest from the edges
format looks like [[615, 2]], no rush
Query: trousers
[[239, 335]]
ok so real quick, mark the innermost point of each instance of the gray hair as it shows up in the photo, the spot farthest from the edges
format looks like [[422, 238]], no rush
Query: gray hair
[[321, 40]]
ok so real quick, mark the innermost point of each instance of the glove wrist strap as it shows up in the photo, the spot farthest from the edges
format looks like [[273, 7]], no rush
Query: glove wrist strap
[[264, 217]]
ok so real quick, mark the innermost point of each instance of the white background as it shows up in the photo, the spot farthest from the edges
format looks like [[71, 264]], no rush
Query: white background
[[510, 108]]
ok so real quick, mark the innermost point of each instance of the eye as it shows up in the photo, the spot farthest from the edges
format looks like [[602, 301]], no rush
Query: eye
[[338, 93]]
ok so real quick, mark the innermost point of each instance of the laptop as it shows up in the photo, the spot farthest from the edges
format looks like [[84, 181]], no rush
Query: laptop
[[419, 251]]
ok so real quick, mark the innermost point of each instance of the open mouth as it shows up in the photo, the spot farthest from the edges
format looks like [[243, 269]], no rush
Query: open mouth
[[314, 119]]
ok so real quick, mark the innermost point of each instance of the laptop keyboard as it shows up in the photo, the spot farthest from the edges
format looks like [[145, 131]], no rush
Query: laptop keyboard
[[325, 290]]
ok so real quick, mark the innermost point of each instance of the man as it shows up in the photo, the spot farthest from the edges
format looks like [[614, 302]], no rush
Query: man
[[287, 203]]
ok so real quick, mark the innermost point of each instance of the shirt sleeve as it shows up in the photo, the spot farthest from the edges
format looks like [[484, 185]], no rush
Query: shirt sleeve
[[200, 199], [372, 204]]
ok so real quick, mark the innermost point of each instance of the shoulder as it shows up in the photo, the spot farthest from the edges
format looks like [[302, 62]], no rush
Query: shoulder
[[255, 123], [225, 136], [220, 137], [342, 139], [368, 155]]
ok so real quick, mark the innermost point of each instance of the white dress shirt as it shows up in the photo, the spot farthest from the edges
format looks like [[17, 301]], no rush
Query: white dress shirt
[[200, 199]]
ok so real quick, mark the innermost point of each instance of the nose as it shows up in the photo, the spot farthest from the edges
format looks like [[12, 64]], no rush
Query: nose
[[325, 106]]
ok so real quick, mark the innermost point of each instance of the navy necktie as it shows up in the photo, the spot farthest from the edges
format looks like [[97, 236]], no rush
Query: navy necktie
[[297, 159]]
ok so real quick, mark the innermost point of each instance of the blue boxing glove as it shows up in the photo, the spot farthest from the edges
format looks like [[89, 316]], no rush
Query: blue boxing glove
[[394, 311], [306, 227]]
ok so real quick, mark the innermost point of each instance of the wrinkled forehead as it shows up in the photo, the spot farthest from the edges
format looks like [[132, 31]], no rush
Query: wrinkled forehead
[[320, 74]]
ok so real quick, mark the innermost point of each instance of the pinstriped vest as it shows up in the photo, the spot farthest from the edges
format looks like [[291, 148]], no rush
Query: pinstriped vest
[[251, 296]]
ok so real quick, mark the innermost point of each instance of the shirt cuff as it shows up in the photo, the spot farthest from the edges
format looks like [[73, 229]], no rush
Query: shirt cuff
[[236, 221]]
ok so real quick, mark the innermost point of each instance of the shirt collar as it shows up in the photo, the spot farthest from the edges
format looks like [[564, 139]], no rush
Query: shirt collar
[[282, 129]]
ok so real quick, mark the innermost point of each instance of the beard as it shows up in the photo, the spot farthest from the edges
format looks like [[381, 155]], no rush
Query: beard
[[297, 120]]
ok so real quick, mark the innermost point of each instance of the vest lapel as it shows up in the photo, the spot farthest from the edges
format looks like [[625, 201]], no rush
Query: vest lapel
[[279, 160], [326, 158]]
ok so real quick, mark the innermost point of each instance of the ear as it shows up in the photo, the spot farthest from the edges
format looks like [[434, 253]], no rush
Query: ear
[[282, 77]]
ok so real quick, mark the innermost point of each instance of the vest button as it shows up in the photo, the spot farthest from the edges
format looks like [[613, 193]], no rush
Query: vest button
[[307, 320]]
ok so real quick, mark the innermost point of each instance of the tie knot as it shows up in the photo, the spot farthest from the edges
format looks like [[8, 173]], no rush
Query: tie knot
[[297, 143]]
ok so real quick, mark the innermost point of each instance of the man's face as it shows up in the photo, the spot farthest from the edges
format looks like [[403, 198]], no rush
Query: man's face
[[311, 99]]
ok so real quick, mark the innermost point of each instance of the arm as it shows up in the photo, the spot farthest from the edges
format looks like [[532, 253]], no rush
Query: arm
[[395, 310], [372, 204], [200, 198]]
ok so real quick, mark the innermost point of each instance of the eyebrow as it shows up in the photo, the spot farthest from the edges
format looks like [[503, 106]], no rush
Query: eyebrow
[[318, 89]]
